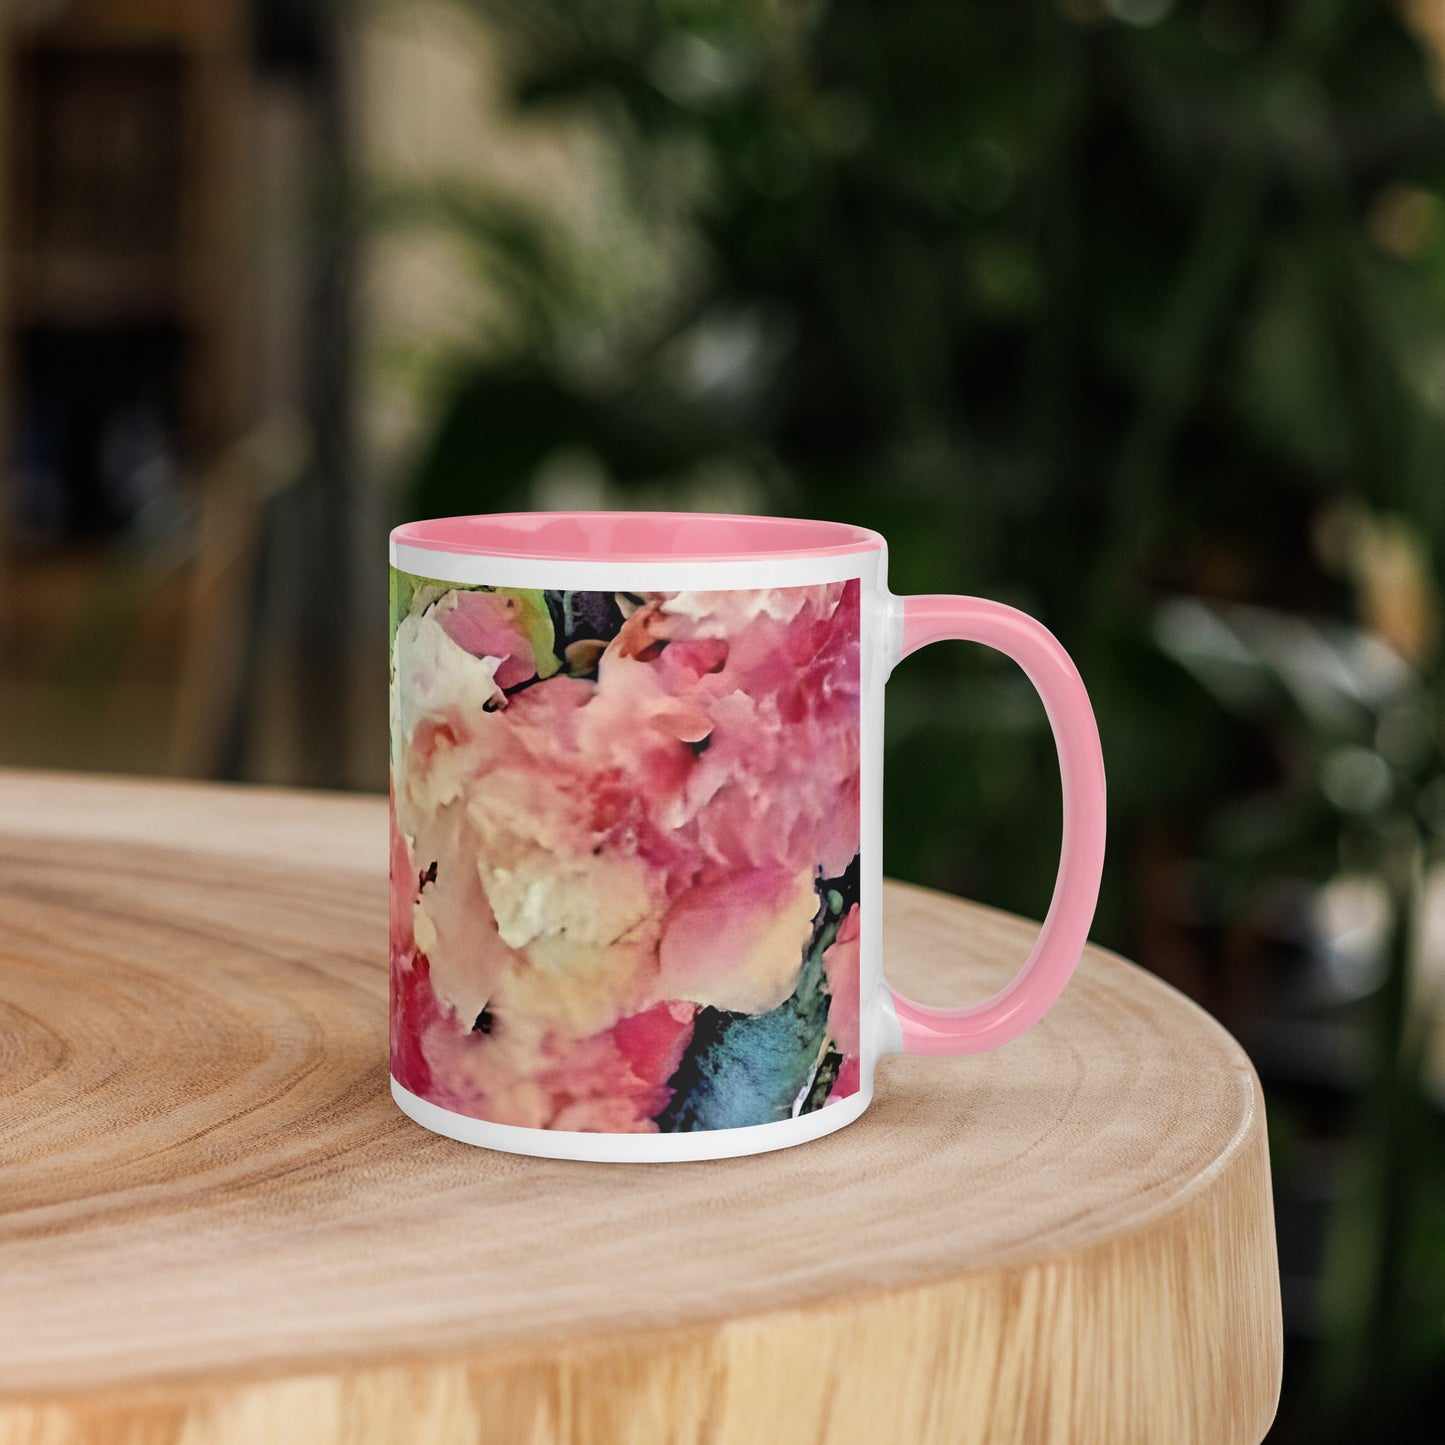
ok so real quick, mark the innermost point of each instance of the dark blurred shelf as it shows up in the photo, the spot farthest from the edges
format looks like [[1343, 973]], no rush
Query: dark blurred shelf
[[87, 290], [125, 341], [120, 24]]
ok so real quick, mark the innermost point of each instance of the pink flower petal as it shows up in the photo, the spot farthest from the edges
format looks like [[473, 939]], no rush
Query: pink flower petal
[[490, 624], [654, 1042], [738, 942]]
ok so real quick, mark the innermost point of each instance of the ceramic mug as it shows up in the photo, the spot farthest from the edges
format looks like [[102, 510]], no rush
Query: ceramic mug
[[636, 861]]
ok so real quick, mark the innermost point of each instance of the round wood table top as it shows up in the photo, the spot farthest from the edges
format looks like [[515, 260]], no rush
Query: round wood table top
[[215, 1225]]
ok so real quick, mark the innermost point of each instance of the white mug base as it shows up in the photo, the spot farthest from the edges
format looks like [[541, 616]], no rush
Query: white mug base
[[630, 1148]]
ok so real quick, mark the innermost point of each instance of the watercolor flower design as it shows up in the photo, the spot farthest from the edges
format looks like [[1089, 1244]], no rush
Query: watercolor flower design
[[624, 854]]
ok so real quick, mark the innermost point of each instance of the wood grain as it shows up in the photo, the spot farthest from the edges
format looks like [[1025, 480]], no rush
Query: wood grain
[[216, 1227]]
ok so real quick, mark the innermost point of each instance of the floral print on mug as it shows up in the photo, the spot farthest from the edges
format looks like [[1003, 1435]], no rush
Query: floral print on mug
[[624, 854]]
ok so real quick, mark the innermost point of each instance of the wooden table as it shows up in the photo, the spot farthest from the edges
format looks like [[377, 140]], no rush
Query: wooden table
[[215, 1225]]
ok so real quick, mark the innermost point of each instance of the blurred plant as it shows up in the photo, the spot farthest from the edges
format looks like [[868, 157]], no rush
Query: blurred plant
[[1097, 306], [1363, 794]]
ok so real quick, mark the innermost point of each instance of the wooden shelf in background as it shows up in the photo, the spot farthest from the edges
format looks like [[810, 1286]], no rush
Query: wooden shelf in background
[[87, 290]]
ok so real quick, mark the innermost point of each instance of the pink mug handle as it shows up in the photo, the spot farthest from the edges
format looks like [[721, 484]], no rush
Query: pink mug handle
[[1023, 1002]]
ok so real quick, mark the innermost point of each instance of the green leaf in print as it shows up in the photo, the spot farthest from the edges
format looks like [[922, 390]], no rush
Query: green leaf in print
[[536, 623]]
